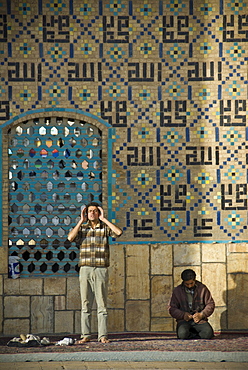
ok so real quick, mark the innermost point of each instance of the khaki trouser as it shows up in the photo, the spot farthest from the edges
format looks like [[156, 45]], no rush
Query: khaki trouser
[[93, 284]]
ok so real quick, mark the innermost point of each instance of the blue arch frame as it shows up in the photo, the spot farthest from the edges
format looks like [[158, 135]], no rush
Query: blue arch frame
[[57, 110]]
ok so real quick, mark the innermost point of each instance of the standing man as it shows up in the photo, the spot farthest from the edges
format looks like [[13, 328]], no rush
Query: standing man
[[191, 304], [92, 232]]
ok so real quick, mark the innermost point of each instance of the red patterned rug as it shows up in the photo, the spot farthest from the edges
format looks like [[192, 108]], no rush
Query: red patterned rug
[[137, 342]]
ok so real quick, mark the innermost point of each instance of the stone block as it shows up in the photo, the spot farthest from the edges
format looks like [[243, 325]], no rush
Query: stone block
[[161, 259], [1, 284], [12, 286], [77, 322], [4, 268], [116, 321], [214, 252], [137, 272], [16, 306], [116, 277], [1, 314], [30, 286], [73, 301], [161, 288], [14, 327], [216, 285], [161, 324], [187, 254], [137, 316], [42, 314], [237, 248], [237, 299], [59, 302], [237, 262], [54, 285], [218, 319], [64, 322]]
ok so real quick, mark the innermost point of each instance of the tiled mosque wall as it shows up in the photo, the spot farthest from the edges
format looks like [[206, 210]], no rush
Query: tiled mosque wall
[[166, 84]]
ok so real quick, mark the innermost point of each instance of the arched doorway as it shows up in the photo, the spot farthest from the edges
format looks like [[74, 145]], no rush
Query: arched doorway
[[55, 168]]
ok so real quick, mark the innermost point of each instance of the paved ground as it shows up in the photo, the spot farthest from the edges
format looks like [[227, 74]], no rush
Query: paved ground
[[125, 360]]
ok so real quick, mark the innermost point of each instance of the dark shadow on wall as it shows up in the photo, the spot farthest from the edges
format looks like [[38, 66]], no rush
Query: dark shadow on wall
[[236, 298]]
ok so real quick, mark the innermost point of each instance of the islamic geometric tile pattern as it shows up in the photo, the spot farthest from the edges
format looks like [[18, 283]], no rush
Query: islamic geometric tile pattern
[[170, 77], [55, 168]]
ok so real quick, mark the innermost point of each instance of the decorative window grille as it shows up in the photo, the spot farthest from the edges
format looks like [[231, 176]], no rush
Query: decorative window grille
[[55, 168]]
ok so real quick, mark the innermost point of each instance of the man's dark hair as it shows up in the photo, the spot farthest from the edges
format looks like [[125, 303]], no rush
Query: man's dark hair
[[188, 274], [93, 204]]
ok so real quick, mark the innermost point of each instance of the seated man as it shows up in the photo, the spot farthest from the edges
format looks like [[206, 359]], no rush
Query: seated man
[[191, 304]]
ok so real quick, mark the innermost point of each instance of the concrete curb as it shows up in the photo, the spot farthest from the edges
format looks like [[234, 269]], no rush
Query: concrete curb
[[124, 356]]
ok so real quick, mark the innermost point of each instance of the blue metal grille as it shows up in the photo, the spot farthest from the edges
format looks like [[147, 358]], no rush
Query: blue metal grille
[[55, 168]]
